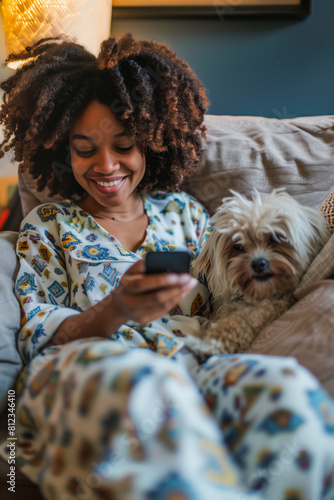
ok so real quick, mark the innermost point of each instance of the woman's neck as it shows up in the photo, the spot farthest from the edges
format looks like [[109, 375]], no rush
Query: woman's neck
[[133, 209]]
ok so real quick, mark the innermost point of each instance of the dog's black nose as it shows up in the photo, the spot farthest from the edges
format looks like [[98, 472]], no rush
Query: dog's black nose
[[260, 265]]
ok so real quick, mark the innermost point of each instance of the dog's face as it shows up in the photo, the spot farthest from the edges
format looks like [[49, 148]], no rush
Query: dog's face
[[260, 248], [259, 263]]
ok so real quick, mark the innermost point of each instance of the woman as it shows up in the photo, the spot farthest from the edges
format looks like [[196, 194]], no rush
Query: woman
[[108, 403]]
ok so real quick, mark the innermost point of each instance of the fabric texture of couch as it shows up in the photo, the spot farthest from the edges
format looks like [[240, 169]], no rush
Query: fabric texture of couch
[[242, 153], [10, 360]]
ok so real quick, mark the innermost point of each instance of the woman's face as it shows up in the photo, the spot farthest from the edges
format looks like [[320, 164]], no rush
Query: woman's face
[[106, 162]]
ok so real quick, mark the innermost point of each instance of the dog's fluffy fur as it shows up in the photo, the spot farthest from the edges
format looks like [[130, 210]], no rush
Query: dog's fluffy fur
[[253, 260]]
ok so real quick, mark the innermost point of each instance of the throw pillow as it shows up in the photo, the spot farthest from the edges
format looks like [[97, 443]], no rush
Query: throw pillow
[[327, 208]]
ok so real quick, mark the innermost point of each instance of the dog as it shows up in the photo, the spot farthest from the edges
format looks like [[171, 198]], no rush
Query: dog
[[255, 257]]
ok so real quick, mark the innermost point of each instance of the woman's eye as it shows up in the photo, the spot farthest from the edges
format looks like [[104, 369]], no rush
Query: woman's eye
[[85, 153], [238, 247], [125, 150]]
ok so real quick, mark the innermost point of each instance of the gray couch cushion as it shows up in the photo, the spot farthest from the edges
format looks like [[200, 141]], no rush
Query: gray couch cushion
[[10, 360]]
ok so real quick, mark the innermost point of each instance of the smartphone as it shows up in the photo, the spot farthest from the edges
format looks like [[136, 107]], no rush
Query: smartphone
[[167, 262]]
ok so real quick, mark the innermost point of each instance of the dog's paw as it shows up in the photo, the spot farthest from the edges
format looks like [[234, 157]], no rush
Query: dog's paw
[[195, 344], [208, 325], [203, 349]]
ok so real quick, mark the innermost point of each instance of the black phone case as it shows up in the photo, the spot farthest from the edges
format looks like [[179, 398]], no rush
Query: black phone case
[[167, 262]]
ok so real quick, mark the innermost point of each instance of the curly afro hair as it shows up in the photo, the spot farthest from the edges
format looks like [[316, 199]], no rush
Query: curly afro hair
[[153, 93]]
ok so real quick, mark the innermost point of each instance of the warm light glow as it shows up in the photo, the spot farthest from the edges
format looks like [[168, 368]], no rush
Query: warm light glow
[[27, 21], [17, 64]]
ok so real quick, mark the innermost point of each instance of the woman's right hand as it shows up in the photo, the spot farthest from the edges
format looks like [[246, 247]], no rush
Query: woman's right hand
[[139, 297], [145, 297]]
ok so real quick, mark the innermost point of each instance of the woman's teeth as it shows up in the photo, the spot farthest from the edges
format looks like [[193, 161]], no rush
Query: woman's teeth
[[109, 184]]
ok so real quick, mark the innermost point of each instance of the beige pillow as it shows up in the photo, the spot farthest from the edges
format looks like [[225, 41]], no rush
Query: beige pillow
[[246, 152]]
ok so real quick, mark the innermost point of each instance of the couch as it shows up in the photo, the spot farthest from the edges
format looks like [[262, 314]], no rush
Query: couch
[[242, 153]]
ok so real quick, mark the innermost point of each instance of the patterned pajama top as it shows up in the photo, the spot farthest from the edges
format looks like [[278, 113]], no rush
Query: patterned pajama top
[[68, 262]]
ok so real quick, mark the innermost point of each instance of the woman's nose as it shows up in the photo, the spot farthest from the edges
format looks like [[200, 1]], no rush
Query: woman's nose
[[106, 162]]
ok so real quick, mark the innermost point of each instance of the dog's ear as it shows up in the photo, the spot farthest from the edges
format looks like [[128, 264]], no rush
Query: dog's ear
[[210, 262], [203, 263]]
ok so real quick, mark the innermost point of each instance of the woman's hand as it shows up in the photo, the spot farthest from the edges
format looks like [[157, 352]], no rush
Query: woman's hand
[[145, 297], [139, 297]]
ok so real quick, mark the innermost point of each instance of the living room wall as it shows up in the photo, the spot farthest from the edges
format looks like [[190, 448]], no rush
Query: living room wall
[[274, 68]]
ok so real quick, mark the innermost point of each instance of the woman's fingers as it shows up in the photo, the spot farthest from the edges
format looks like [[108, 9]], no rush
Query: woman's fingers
[[142, 283], [160, 281], [155, 304], [136, 282], [144, 298], [159, 298], [146, 307]]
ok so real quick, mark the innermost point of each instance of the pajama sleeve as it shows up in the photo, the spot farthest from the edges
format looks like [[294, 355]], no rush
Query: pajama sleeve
[[42, 288]]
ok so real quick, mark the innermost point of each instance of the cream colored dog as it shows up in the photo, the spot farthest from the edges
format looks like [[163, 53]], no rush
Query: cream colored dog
[[253, 260]]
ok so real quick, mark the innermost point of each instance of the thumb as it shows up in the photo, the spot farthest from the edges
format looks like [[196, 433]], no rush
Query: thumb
[[137, 267]]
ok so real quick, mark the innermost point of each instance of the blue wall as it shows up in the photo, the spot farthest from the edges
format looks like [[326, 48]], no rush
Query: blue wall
[[274, 68]]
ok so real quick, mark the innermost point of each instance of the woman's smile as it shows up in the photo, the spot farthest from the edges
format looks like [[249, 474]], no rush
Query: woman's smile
[[110, 185]]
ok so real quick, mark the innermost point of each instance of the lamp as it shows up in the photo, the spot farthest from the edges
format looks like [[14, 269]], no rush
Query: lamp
[[27, 21]]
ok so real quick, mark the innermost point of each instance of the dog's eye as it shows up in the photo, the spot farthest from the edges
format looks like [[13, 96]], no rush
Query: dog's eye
[[275, 238], [238, 247]]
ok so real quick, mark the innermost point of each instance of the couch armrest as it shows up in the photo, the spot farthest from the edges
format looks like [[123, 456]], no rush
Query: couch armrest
[[10, 360]]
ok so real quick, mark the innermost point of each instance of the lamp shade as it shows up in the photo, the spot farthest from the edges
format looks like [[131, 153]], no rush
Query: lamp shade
[[27, 21]]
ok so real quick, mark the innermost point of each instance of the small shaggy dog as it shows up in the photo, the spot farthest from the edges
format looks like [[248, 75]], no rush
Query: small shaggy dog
[[253, 260]]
